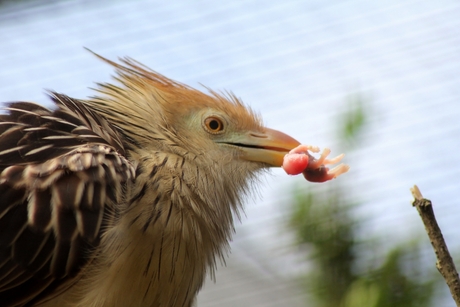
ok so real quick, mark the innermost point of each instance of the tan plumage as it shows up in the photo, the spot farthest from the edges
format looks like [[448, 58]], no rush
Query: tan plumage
[[127, 198]]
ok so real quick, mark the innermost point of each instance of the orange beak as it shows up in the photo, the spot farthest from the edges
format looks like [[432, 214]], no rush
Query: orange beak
[[268, 147]]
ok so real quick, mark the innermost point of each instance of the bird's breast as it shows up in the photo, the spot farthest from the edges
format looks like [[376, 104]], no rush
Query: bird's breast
[[163, 245]]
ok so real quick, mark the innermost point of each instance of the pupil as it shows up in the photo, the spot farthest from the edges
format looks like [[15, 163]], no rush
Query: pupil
[[214, 125]]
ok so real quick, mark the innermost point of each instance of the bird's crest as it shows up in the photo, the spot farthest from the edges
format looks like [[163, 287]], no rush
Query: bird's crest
[[146, 97]]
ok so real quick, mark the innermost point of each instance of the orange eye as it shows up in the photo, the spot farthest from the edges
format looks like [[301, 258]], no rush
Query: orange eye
[[214, 124]]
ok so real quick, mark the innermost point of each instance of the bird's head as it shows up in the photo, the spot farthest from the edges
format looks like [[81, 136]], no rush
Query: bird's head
[[152, 111]]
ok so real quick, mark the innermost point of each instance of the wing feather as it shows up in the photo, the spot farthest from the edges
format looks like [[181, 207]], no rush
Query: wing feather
[[39, 211], [61, 177]]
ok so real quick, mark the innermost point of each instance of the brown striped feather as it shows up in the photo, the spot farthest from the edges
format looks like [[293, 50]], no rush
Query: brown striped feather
[[61, 172]]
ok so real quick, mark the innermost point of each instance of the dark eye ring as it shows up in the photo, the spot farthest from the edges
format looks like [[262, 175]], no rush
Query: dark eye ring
[[214, 124]]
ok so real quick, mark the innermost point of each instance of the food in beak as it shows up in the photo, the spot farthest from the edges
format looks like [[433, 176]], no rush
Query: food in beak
[[299, 160]]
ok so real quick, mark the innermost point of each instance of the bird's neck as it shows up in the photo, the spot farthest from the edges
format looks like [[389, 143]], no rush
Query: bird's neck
[[176, 223]]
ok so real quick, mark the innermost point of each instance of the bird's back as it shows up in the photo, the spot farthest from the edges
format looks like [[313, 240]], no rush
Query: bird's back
[[61, 174]]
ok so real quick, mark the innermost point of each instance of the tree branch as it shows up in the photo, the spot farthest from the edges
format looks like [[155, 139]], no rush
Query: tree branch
[[445, 265]]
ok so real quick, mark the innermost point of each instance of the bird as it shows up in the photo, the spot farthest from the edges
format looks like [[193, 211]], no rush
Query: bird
[[128, 197]]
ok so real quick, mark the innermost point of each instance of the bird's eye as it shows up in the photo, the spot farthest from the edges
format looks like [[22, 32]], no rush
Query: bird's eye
[[214, 124]]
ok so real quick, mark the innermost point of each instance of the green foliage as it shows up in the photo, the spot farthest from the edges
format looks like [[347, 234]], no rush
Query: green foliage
[[326, 224], [323, 223], [353, 120], [396, 283]]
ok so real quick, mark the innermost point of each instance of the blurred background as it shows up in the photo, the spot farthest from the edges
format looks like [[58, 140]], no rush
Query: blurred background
[[378, 80]]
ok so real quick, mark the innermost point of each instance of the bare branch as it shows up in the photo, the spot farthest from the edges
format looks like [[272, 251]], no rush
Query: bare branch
[[444, 264]]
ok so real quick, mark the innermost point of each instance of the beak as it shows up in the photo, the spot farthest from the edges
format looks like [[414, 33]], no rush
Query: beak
[[268, 147]]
